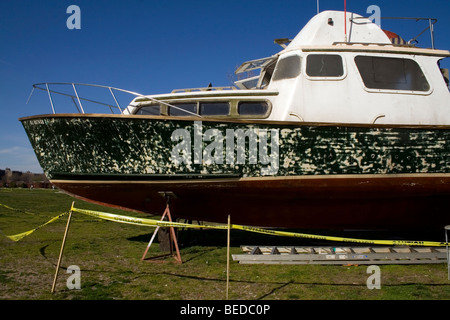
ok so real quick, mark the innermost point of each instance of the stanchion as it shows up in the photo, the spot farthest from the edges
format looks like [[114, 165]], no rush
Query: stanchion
[[62, 248]]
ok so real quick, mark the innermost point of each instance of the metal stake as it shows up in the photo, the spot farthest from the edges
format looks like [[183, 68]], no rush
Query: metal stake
[[228, 256], [448, 252], [62, 248]]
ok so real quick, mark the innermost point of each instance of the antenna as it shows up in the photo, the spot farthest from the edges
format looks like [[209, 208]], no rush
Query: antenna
[[345, 20], [318, 11]]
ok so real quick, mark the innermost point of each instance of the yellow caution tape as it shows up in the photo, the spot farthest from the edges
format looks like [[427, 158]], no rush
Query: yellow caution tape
[[14, 209], [115, 218], [166, 224], [340, 239], [143, 221], [152, 222], [19, 236]]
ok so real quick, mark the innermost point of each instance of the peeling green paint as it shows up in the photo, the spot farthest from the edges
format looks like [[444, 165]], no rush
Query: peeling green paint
[[138, 146]]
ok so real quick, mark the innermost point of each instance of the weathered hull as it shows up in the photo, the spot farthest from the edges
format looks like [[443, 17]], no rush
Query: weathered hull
[[327, 176]]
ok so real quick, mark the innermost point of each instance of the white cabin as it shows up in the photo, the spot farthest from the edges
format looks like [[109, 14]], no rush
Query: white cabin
[[340, 68]]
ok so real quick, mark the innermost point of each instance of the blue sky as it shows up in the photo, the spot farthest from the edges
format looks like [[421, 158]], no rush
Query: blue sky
[[153, 47]]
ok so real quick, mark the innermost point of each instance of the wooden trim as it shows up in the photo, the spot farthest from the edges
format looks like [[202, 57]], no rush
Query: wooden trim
[[269, 178]]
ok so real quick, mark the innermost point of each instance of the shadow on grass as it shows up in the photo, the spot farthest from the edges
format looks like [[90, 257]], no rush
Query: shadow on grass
[[209, 240], [279, 285]]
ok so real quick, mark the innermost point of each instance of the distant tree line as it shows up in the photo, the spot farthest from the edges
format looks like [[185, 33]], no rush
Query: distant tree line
[[18, 179]]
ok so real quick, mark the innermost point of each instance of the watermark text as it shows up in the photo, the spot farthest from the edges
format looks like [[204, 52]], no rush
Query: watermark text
[[74, 20], [227, 147]]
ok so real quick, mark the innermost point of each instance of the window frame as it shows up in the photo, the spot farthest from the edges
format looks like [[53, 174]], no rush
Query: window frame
[[326, 78], [393, 91], [232, 114], [262, 115]]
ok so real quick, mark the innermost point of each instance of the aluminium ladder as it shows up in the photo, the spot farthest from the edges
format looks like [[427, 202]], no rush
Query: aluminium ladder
[[341, 255]]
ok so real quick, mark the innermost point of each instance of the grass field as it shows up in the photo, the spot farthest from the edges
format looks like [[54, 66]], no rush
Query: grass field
[[109, 257]]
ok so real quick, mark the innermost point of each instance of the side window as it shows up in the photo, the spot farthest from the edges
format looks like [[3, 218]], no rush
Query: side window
[[179, 109], [324, 65], [153, 110], [391, 73], [251, 108], [287, 68], [214, 108]]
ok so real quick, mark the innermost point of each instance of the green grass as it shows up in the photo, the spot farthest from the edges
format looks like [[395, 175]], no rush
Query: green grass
[[109, 256]]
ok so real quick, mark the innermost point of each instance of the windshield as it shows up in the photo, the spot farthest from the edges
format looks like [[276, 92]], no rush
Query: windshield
[[255, 74]]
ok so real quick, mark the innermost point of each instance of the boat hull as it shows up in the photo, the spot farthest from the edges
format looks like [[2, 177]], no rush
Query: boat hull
[[326, 176], [402, 202]]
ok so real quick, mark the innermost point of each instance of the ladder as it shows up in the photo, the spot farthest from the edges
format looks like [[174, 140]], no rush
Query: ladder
[[340, 255]]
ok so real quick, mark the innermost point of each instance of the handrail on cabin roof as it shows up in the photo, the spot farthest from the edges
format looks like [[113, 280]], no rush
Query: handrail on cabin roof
[[431, 23]]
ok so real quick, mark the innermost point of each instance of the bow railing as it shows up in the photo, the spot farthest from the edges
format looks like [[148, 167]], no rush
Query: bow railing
[[77, 99]]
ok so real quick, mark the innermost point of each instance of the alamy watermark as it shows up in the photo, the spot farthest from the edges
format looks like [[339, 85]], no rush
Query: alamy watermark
[[376, 14], [74, 280], [374, 281], [227, 147], [74, 20]]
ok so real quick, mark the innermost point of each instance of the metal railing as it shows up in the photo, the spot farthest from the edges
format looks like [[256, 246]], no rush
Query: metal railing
[[431, 23], [75, 97], [204, 89]]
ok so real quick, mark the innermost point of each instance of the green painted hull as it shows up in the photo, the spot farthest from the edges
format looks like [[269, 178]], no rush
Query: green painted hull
[[128, 146], [293, 176]]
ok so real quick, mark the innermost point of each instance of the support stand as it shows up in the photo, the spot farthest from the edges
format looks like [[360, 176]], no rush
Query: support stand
[[172, 236]]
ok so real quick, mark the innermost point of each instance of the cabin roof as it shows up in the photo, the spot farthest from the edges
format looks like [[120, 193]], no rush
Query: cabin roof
[[340, 31], [329, 27], [358, 47]]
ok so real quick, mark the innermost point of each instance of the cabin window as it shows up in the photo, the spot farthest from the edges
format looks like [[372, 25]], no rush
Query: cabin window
[[287, 68], [253, 108], [182, 109], [153, 110], [391, 73], [214, 108], [324, 65]]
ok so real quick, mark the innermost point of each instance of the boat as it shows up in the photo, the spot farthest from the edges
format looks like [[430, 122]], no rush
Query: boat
[[347, 127]]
